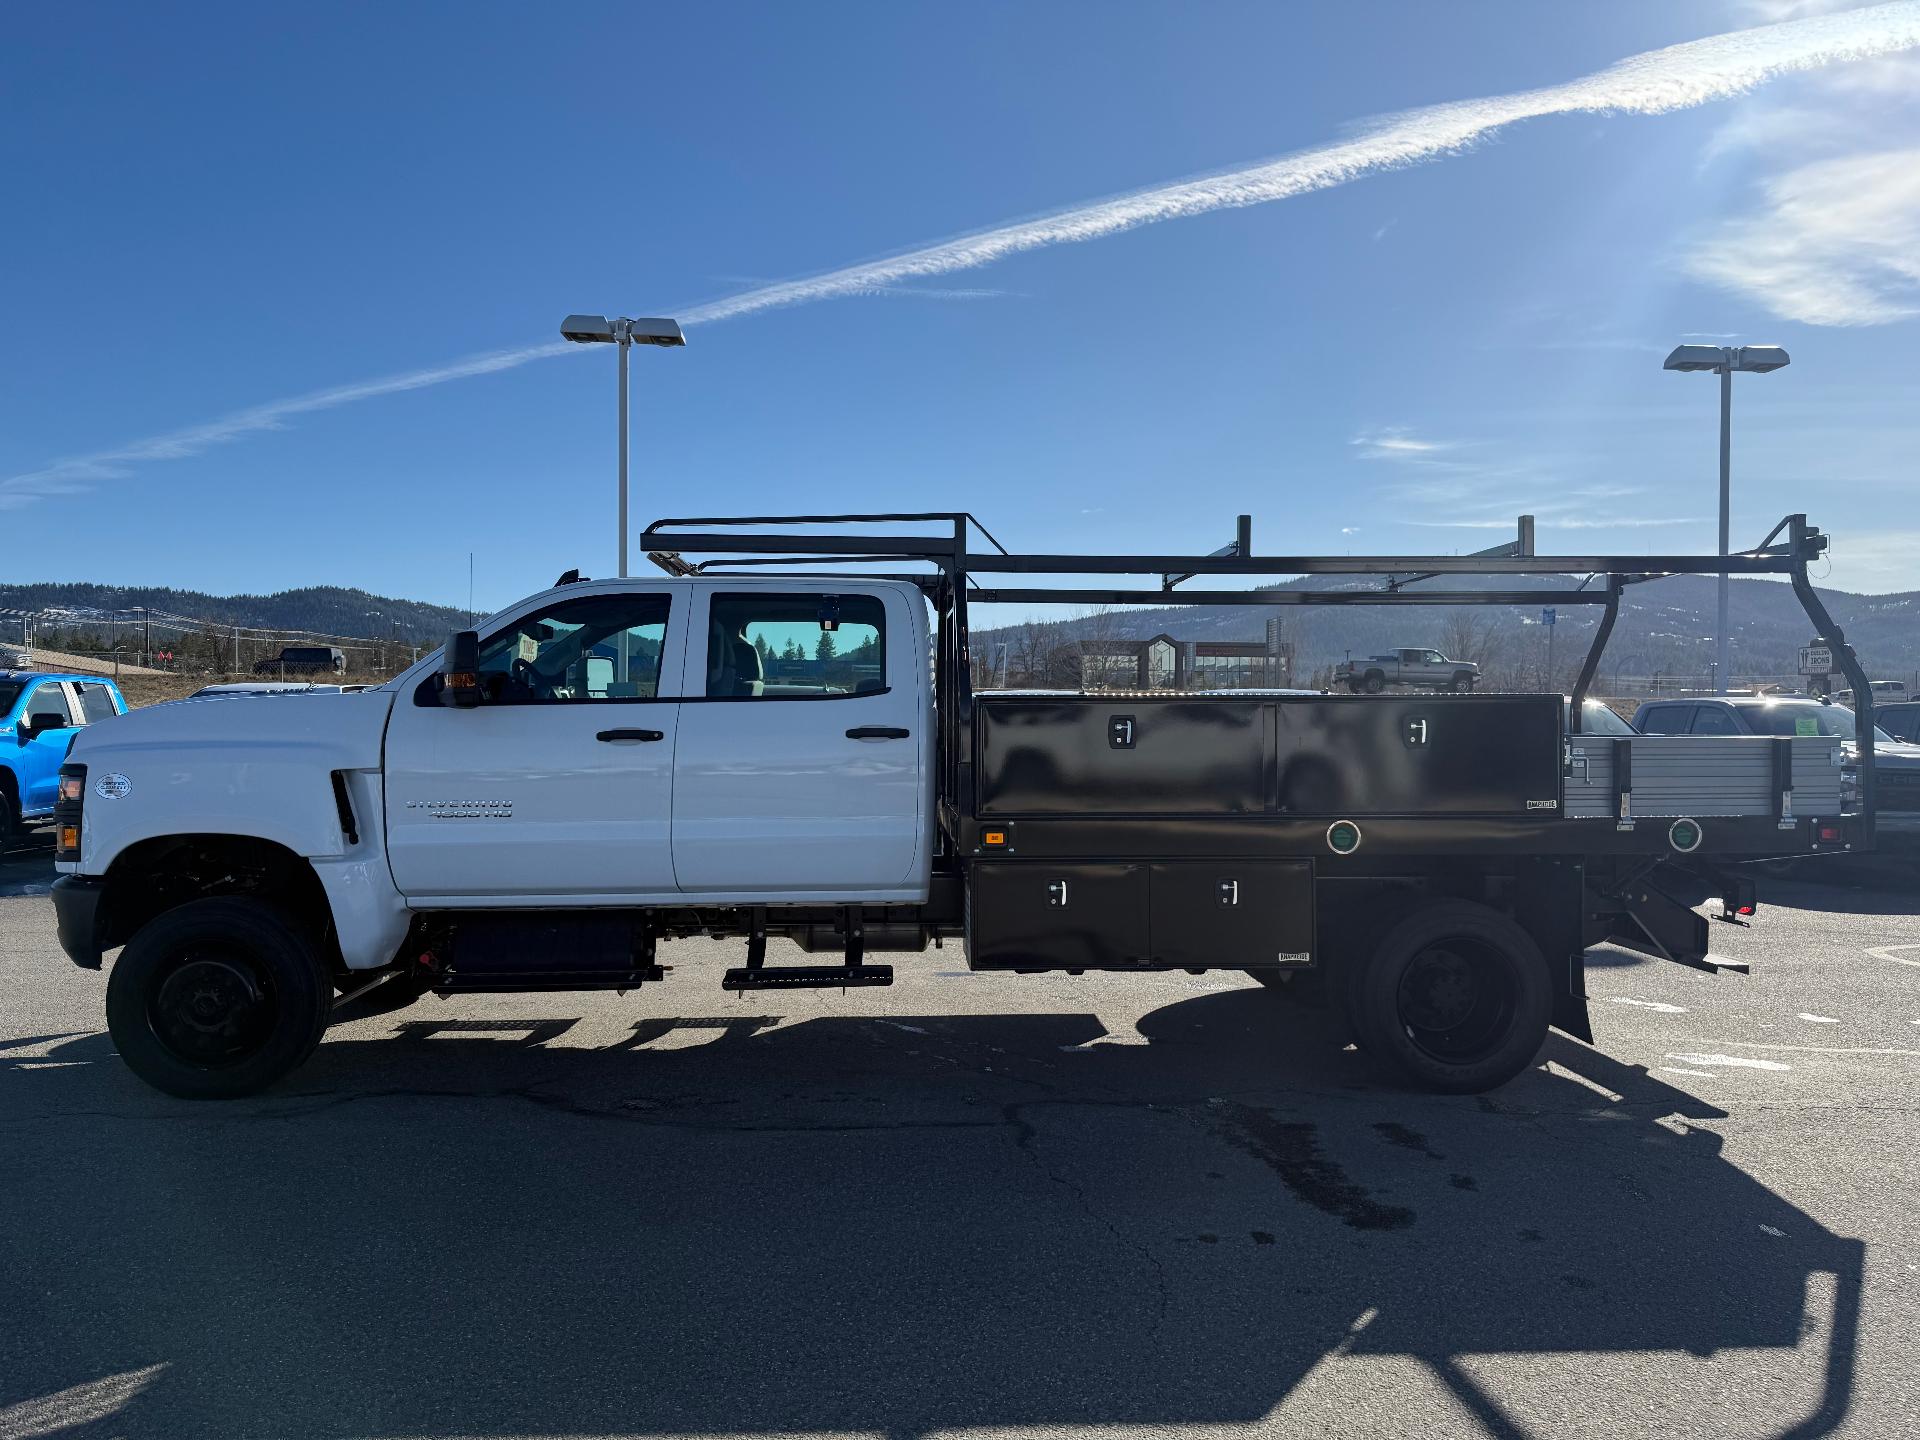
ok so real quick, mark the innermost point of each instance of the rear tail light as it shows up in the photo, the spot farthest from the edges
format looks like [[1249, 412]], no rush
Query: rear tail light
[[69, 801]]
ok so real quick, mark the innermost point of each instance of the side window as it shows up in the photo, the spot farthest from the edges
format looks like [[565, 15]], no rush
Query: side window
[[49, 696], [1715, 720], [598, 647], [1666, 720], [775, 646], [1434, 657], [96, 703]]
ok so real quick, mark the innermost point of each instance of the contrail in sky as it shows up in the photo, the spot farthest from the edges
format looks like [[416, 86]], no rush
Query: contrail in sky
[[1675, 78]]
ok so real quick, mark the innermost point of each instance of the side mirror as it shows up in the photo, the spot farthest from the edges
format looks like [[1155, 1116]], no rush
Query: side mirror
[[460, 670], [43, 721]]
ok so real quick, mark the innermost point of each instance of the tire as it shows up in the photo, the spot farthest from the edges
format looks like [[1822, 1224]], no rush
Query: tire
[[9, 822], [1375, 682], [1456, 997], [1462, 683], [217, 998], [396, 994]]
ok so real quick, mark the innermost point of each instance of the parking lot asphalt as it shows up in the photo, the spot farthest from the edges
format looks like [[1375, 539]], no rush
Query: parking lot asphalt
[[967, 1204]]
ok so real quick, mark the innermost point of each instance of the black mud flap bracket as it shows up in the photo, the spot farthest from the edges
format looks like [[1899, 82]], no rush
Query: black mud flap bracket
[[1643, 917]]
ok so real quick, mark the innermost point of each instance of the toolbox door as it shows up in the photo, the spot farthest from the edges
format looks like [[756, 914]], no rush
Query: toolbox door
[[1034, 915], [1232, 914]]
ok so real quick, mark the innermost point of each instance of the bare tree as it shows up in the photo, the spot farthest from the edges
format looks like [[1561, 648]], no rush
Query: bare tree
[[1095, 631]]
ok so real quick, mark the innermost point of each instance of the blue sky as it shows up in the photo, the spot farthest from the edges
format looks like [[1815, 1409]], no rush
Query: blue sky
[[218, 207]]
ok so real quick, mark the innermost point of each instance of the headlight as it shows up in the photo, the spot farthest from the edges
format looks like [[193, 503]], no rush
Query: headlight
[[70, 800]]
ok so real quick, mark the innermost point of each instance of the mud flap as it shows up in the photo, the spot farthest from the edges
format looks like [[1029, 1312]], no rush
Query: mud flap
[[1549, 905]]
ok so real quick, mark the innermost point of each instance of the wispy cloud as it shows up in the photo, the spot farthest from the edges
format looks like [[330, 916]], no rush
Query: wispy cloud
[[1658, 81], [1836, 242], [78, 472], [1396, 442]]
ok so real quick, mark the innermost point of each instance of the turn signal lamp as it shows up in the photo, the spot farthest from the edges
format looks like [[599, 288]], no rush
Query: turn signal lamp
[[993, 838]]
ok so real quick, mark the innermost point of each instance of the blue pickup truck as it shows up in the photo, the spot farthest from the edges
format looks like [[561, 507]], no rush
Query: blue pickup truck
[[40, 713]]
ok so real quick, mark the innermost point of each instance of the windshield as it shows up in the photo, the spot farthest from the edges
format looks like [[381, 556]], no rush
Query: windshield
[[1805, 717], [1597, 719]]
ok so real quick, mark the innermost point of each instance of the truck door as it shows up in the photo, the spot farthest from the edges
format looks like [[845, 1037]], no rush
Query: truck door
[[803, 751], [559, 784], [37, 761]]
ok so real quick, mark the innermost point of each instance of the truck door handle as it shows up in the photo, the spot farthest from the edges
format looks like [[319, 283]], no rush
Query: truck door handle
[[878, 732], [631, 735]]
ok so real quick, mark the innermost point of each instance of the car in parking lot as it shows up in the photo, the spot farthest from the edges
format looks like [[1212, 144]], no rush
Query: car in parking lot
[[40, 713], [1896, 764], [1902, 720]]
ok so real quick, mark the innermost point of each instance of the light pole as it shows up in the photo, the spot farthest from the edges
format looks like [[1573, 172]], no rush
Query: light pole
[[1723, 360], [599, 330]]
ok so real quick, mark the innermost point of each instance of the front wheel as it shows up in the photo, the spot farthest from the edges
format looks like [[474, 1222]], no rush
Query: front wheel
[[217, 998], [1456, 997]]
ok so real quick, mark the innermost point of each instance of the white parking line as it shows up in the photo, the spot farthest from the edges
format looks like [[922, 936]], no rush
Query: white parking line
[[1742, 1061], [1659, 1007], [1819, 1019], [1885, 952]]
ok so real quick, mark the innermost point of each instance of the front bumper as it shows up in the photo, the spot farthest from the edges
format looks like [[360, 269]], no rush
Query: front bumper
[[76, 909]]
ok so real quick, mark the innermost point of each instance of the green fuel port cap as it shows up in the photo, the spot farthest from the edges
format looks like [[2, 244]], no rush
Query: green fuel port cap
[[1343, 837], [1685, 836]]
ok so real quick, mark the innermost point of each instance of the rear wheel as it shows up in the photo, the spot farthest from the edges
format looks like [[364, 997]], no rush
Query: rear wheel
[[1375, 682], [1456, 997], [9, 821], [216, 998], [1462, 682]]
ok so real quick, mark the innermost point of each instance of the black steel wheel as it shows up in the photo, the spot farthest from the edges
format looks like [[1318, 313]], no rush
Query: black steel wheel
[[217, 998], [1456, 997], [1462, 683], [1375, 682]]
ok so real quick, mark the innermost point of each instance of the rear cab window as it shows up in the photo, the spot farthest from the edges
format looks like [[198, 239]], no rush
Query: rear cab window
[[96, 703], [780, 645]]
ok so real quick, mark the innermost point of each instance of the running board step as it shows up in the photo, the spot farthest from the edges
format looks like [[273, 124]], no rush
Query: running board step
[[792, 977]]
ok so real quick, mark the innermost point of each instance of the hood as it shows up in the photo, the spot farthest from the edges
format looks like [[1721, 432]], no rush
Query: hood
[[343, 731]]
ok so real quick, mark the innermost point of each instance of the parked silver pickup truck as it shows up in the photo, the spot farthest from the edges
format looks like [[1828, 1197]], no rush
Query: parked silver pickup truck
[[1418, 668]]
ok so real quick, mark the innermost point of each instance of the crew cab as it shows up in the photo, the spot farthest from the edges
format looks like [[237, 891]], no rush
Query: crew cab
[[728, 749], [1415, 668], [40, 712]]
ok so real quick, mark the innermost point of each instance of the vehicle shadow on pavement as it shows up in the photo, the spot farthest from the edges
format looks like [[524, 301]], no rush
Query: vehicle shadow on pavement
[[730, 1222]]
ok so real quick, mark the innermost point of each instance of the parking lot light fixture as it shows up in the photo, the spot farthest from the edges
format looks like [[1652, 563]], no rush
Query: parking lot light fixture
[[1724, 360], [599, 330]]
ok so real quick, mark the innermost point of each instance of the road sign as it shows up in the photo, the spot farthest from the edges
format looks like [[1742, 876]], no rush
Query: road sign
[[1816, 660], [1549, 617]]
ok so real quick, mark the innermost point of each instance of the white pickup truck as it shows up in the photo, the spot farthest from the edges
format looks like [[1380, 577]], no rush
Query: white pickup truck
[[610, 765]]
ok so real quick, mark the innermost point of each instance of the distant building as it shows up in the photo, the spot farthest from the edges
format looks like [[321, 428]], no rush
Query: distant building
[[1164, 663]]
